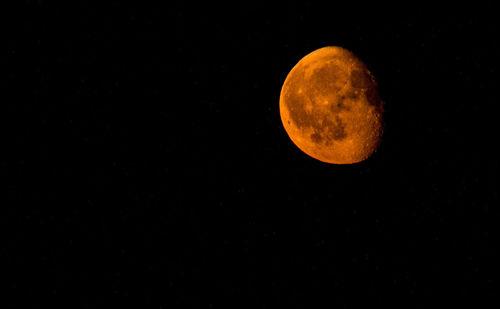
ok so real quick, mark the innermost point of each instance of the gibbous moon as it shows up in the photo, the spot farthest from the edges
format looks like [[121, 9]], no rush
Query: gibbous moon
[[330, 107]]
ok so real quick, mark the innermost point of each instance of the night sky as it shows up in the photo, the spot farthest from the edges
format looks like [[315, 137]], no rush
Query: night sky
[[144, 159]]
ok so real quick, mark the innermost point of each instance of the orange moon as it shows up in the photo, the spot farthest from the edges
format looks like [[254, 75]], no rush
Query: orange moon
[[330, 107]]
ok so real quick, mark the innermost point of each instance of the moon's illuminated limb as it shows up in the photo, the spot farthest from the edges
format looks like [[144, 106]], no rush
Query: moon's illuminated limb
[[330, 107]]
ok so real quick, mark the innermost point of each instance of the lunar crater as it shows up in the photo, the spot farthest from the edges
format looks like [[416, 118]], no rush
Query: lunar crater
[[339, 105], [360, 79], [328, 131]]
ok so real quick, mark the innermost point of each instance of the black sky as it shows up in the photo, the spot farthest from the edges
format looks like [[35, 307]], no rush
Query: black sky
[[145, 161]]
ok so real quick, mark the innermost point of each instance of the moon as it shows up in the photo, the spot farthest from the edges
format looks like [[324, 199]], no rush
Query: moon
[[330, 107]]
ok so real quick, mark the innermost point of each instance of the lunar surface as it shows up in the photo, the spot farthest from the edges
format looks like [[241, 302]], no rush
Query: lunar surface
[[330, 107]]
